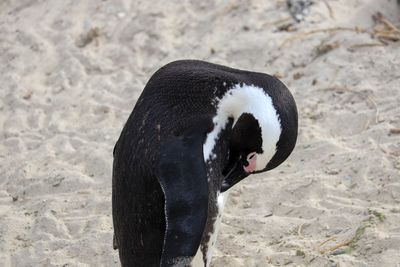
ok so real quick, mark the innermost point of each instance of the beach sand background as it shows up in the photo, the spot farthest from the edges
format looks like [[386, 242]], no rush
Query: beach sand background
[[71, 72]]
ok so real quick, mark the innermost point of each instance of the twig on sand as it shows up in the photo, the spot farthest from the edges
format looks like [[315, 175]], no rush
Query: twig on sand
[[328, 6], [365, 45], [327, 30], [324, 48], [332, 238], [384, 30], [299, 230], [363, 95], [342, 244], [351, 243], [379, 18], [279, 21], [387, 152], [384, 36]]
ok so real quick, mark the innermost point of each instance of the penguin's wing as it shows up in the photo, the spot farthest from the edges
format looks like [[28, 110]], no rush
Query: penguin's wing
[[183, 178]]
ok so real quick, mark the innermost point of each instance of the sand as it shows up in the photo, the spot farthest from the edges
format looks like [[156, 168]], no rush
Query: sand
[[71, 72]]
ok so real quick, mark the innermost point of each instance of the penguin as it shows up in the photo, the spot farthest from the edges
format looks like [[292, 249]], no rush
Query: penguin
[[196, 130]]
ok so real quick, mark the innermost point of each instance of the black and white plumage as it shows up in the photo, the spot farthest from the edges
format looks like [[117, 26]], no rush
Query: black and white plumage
[[196, 130]]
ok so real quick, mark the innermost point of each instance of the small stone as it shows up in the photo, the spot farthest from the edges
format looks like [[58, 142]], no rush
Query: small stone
[[300, 253]]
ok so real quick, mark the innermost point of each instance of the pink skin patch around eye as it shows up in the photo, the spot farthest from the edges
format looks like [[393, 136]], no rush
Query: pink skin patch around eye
[[252, 160]]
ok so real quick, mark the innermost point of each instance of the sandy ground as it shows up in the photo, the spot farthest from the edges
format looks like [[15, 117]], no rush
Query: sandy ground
[[71, 72]]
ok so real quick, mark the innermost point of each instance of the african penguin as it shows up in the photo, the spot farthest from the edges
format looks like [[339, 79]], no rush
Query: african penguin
[[196, 130]]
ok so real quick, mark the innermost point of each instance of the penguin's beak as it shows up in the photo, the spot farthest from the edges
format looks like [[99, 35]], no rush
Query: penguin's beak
[[235, 175]]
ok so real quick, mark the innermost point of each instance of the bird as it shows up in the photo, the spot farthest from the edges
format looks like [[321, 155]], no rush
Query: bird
[[196, 130]]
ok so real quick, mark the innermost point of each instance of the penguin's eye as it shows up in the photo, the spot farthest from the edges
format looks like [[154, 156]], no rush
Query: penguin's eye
[[251, 156], [251, 163]]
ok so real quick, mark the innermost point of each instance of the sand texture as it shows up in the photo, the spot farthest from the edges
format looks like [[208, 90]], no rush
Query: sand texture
[[71, 72]]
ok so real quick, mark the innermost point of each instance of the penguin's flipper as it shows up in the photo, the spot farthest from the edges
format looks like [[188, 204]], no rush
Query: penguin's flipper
[[183, 178]]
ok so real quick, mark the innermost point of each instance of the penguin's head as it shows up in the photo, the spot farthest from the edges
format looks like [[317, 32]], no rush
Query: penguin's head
[[263, 134]]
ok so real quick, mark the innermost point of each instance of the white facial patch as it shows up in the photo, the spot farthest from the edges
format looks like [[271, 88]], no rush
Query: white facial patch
[[253, 100]]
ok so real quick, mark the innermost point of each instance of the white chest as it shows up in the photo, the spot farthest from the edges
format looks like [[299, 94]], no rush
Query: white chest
[[198, 260]]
